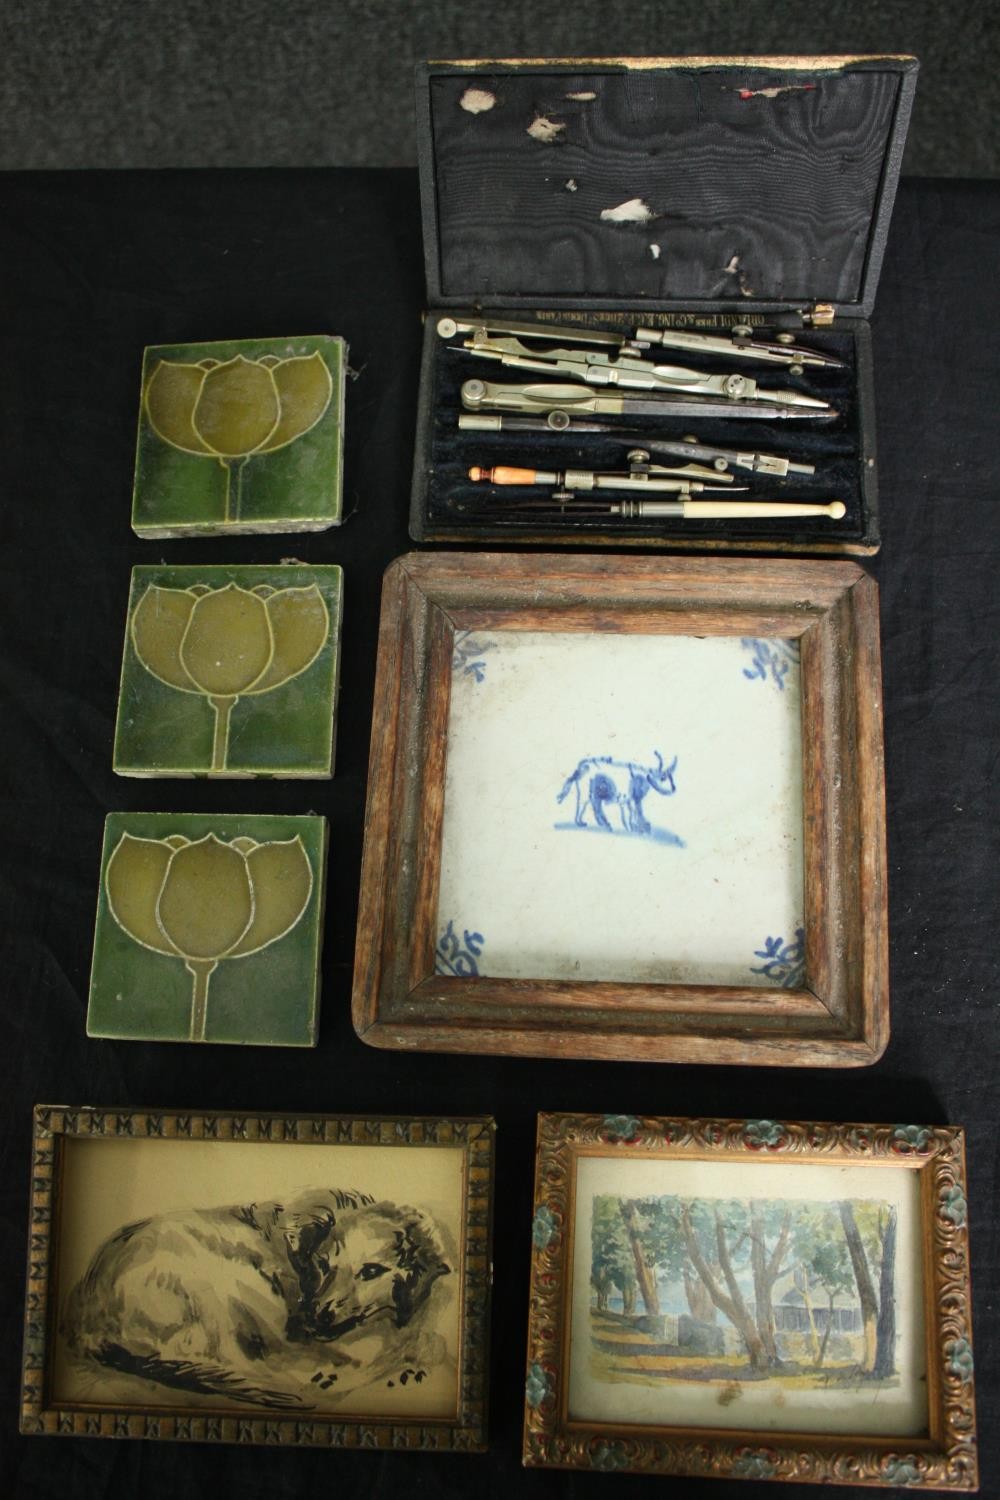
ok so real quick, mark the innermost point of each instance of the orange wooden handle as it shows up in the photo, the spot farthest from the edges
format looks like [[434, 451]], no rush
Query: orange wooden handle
[[503, 475]]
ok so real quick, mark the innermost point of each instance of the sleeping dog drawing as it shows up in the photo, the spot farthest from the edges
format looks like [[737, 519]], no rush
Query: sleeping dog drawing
[[267, 1304]]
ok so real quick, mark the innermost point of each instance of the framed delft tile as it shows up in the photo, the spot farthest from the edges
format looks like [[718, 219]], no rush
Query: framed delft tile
[[299, 1280], [751, 1299], [209, 929], [241, 436], [230, 672], [642, 809]]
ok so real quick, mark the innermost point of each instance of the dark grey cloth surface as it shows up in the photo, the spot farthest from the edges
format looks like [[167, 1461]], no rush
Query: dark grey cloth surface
[[93, 267], [172, 83]]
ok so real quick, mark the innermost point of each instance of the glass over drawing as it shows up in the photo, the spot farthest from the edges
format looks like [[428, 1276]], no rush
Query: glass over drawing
[[261, 1278], [623, 807], [786, 1299]]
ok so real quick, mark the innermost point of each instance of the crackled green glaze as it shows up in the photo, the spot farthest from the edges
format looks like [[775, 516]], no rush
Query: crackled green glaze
[[209, 929], [230, 672], [241, 436]]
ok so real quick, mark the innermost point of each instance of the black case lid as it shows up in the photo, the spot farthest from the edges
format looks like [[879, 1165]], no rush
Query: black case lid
[[666, 182]]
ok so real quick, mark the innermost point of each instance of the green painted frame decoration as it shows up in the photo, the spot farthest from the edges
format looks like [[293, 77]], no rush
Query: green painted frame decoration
[[616, 1152], [60, 1130]]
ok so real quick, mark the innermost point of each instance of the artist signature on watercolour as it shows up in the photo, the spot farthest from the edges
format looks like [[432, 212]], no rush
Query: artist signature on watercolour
[[603, 786], [288, 1306], [799, 1294]]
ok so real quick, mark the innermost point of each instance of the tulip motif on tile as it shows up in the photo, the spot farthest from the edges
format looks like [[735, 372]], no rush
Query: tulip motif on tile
[[206, 901], [237, 409], [228, 643]]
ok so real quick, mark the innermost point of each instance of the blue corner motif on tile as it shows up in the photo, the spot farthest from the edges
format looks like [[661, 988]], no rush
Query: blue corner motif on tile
[[784, 963], [467, 653], [602, 785], [457, 955], [771, 659]]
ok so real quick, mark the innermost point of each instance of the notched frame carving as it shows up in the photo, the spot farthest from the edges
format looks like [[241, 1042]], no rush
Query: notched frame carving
[[466, 1431]]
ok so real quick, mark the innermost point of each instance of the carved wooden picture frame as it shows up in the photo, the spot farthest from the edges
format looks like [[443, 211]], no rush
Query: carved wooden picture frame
[[815, 996], [751, 1299], [307, 1280]]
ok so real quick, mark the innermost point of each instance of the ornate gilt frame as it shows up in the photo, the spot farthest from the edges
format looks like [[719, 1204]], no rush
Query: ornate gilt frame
[[466, 1432], [944, 1459], [837, 1017]]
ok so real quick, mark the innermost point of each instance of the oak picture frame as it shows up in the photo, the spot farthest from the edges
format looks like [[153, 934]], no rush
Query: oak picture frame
[[433, 606], [435, 1220], [730, 1437]]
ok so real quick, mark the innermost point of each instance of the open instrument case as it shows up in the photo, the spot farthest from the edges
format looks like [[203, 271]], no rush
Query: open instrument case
[[661, 193]]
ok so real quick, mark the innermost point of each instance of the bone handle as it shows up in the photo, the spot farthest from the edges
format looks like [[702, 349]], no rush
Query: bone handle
[[697, 510]]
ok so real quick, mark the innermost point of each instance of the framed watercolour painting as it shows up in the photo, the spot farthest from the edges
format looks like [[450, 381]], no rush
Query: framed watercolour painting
[[622, 808], [751, 1299], [311, 1280]]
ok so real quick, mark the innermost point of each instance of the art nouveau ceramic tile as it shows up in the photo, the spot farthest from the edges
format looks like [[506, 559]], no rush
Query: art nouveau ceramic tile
[[240, 436], [209, 929], [623, 807], [230, 672]]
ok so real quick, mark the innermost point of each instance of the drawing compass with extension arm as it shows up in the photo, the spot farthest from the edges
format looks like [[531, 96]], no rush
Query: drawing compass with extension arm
[[738, 344], [539, 396], [597, 367]]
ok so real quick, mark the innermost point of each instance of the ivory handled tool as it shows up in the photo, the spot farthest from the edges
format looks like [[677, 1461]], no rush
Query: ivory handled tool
[[572, 482]]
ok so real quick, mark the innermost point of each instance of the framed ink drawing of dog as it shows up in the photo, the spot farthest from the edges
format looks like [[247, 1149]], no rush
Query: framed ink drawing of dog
[[305, 1280]]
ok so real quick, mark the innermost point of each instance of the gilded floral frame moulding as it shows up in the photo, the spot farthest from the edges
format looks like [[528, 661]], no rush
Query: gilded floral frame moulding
[[417, 987], [943, 1458], [57, 1127]]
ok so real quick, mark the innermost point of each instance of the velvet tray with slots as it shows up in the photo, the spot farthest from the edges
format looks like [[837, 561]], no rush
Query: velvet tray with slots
[[649, 281]]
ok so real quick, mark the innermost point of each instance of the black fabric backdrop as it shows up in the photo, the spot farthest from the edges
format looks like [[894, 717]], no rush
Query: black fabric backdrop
[[94, 266]]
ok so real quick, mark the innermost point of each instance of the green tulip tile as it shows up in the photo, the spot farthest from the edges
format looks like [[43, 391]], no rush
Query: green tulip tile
[[209, 929], [240, 436], [230, 672]]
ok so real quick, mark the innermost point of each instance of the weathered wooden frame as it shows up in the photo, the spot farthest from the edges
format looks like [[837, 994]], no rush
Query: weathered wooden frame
[[839, 1018], [944, 1459], [465, 1432]]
